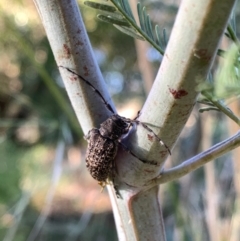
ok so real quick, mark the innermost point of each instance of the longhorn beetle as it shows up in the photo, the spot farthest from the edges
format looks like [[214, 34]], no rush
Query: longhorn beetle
[[103, 142]]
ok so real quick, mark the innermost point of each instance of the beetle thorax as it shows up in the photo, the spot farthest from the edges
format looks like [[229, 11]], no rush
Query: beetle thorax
[[114, 127]]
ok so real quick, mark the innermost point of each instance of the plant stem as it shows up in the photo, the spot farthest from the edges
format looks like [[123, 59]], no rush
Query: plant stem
[[198, 161]]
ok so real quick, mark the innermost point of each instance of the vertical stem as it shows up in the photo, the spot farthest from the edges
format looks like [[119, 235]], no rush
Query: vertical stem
[[211, 189], [233, 128], [71, 48]]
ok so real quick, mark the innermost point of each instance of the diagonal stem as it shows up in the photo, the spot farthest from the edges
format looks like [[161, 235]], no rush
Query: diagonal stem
[[198, 161]]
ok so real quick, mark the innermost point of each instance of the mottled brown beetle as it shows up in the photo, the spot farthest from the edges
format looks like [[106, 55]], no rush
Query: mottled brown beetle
[[103, 142], [102, 148]]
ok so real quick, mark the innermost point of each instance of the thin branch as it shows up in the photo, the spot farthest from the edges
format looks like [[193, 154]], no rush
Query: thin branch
[[71, 48], [198, 161]]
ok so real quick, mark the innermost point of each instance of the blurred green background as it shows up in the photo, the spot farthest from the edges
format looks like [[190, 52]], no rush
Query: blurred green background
[[45, 191]]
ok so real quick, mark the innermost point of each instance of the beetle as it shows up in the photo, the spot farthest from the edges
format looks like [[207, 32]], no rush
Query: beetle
[[103, 143]]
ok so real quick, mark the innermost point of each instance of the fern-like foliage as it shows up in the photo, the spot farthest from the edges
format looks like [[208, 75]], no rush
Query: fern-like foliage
[[120, 15]]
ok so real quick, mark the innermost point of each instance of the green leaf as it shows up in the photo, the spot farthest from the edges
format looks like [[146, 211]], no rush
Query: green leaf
[[125, 6], [122, 17], [145, 18], [203, 109], [129, 31], [112, 20], [221, 52], [227, 34], [100, 6], [231, 33], [140, 16], [164, 38], [147, 23], [149, 28], [158, 35]]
